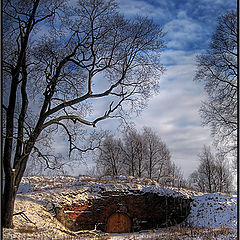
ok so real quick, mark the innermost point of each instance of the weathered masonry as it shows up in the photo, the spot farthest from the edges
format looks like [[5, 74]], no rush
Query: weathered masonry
[[118, 212]]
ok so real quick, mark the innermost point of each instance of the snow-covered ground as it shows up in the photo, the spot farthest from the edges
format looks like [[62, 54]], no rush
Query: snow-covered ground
[[212, 216]]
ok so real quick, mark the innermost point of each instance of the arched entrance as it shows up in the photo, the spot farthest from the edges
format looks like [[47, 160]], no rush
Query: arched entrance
[[119, 223]]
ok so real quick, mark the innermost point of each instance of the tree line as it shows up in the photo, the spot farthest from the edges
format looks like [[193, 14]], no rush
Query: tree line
[[139, 154], [145, 154]]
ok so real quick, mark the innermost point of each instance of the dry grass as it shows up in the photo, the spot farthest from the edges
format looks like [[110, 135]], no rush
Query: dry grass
[[172, 234], [27, 229], [166, 234], [206, 233]]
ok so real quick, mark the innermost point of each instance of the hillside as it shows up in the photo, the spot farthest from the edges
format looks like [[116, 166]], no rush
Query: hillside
[[214, 213]]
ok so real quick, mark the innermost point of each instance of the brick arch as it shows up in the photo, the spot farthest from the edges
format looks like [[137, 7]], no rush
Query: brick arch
[[119, 222], [145, 211]]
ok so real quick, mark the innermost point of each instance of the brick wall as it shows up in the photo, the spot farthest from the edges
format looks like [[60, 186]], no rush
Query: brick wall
[[146, 211]]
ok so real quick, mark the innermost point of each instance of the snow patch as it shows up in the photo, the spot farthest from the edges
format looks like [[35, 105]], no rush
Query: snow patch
[[213, 210]]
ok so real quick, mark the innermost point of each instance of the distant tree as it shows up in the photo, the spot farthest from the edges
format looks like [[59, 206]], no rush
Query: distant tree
[[129, 151], [218, 70], [213, 173], [203, 177], [223, 174], [157, 155], [176, 178], [207, 168], [139, 154], [58, 54], [110, 161], [197, 181], [133, 153]]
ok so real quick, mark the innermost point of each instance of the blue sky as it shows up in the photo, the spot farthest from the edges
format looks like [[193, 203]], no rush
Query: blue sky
[[173, 113]]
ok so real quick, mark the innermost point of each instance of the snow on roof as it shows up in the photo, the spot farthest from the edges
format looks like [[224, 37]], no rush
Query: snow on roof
[[84, 186]]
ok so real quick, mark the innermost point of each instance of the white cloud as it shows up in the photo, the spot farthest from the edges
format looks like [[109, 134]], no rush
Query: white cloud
[[172, 57], [174, 112], [159, 11], [182, 32], [60, 145]]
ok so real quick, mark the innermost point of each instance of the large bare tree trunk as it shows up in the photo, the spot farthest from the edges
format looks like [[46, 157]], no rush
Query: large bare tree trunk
[[12, 181], [9, 191], [8, 201], [9, 195], [13, 178]]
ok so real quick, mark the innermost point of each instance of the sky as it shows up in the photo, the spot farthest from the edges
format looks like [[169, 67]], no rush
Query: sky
[[174, 112]]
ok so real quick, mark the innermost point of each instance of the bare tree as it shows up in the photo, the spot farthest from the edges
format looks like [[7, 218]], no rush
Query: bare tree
[[110, 160], [213, 173], [207, 168], [218, 69], [203, 177], [129, 151], [197, 181], [139, 154], [175, 176], [133, 153], [223, 174], [67, 57], [157, 155]]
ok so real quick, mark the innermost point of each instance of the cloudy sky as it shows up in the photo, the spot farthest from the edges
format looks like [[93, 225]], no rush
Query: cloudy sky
[[173, 113]]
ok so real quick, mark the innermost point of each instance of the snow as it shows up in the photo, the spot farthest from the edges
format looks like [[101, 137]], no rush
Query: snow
[[99, 185], [214, 211], [25, 187]]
